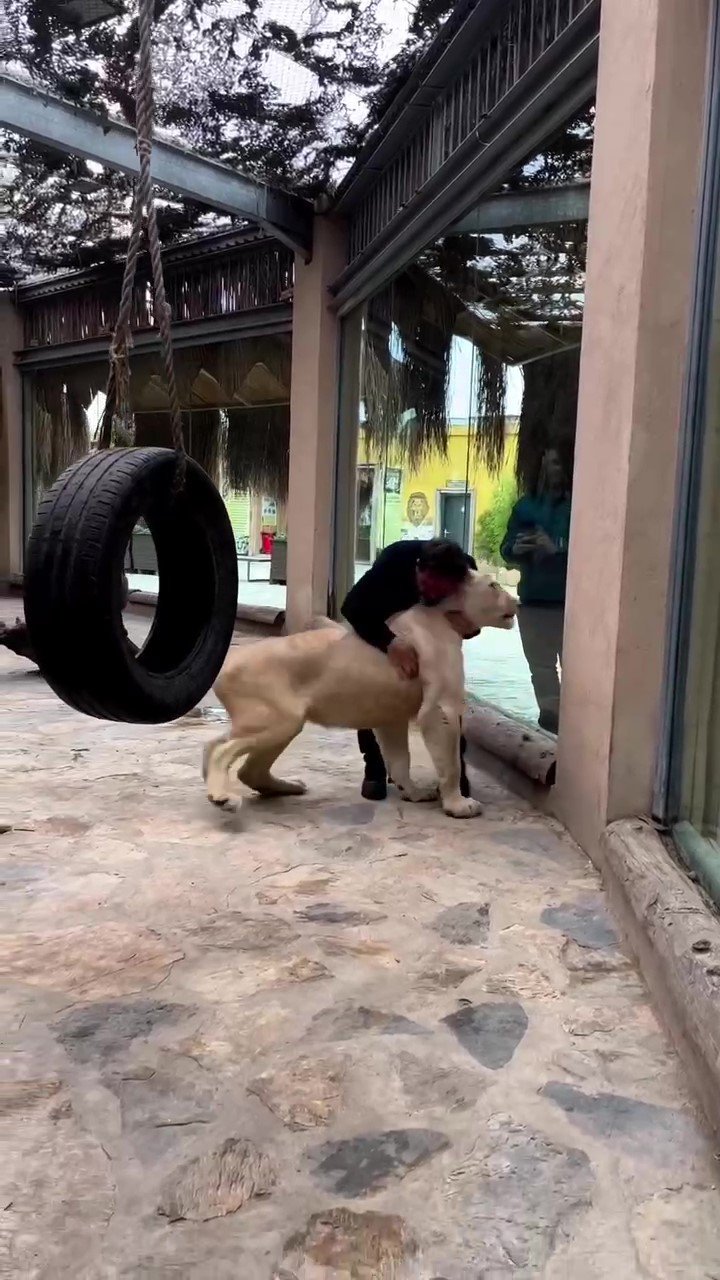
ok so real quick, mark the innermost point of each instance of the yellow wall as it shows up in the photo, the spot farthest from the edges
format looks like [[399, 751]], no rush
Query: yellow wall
[[239, 509], [390, 510], [453, 472]]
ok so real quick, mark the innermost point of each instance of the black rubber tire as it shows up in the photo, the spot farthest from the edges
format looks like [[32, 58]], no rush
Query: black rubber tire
[[73, 586]]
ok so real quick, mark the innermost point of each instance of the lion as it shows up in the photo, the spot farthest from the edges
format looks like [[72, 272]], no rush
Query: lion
[[328, 676]]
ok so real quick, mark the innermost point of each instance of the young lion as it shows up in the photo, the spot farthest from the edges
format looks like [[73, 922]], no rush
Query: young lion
[[333, 678]]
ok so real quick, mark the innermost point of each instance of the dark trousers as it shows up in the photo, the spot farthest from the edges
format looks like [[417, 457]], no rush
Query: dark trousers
[[541, 632], [375, 765]]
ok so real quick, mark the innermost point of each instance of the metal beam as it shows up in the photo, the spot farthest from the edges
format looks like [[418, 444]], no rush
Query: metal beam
[[257, 323], [77, 131], [514, 210], [447, 54], [562, 82]]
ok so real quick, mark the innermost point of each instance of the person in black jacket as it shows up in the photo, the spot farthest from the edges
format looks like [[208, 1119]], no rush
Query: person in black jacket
[[404, 574]]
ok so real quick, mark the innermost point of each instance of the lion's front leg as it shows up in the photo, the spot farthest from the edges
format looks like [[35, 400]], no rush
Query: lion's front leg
[[441, 730]]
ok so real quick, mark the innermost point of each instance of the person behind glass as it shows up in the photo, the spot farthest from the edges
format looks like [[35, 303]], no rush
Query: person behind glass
[[536, 543], [404, 574]]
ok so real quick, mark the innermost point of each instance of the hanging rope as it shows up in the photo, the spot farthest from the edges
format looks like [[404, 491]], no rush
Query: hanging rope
[[117, 404]]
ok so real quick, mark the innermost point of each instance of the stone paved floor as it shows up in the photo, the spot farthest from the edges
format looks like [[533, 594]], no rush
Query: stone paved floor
[[319, 1039]]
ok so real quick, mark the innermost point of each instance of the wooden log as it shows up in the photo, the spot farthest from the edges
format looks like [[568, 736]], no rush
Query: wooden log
[[676, 938], [262, 615], [528, 749], [263, 618]]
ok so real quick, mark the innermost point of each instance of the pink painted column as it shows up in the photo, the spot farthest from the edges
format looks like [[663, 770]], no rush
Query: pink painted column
[[11, 443], [643, 206], [313, 424]]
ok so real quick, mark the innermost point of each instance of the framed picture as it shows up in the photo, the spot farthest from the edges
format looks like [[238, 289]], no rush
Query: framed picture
[[393, 479]]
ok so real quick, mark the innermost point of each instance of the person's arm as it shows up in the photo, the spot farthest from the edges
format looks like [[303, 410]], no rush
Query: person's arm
[[369, 604]]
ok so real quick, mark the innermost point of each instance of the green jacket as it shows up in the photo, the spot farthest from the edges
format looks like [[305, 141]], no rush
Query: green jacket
[[542, 580]]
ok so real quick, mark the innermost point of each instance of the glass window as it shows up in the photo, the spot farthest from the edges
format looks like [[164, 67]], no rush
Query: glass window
[[469, 363], [236, 417], [458, 402], [700, 731]]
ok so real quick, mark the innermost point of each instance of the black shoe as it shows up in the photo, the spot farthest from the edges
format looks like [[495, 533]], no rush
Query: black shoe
[[374, 789], [549, 721], [464, 784]]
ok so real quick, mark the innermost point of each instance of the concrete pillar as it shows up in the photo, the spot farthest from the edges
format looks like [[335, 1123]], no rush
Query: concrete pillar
[[11, 442], [313, 425], [643, 205], [347, 457]]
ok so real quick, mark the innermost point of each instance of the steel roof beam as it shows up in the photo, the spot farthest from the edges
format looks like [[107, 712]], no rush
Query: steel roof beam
[[562, 82], [534, 207], [447, 54], [56, 124]]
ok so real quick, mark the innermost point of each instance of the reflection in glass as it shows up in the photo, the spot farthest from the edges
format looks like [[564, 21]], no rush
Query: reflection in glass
[[236, 418], [536, 543], [469, 379], [700, 763]]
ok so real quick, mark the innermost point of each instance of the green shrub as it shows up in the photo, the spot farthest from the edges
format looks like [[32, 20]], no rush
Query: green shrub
[[491, 525]]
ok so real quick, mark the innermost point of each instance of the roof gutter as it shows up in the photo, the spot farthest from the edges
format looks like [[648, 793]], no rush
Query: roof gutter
[[436, 69]]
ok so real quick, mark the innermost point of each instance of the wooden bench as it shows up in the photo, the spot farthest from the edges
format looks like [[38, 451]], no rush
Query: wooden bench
[[249, 561]]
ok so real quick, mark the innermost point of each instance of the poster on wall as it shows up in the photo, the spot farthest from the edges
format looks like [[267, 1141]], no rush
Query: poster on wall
[[418, 517]]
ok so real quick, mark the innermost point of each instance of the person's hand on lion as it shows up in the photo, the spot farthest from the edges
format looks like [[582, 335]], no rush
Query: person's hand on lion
[[403, 658]]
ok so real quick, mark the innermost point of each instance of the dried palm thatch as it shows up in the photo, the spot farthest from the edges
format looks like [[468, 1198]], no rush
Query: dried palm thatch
[[383, 394], [152, 430], [218, 371], [204, 433], [258, 449], [60, 427], [548, 416], [211, 379], [249, 275], [406, 372], [407, 348], [206, 440], [247, 449], [490, 420], [425, 315], [232, 363]]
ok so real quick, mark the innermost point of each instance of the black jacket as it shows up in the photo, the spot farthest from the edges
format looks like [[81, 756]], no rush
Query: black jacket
[[389, 587]]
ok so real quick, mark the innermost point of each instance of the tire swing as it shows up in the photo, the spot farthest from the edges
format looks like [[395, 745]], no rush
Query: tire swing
[[73, 582]]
